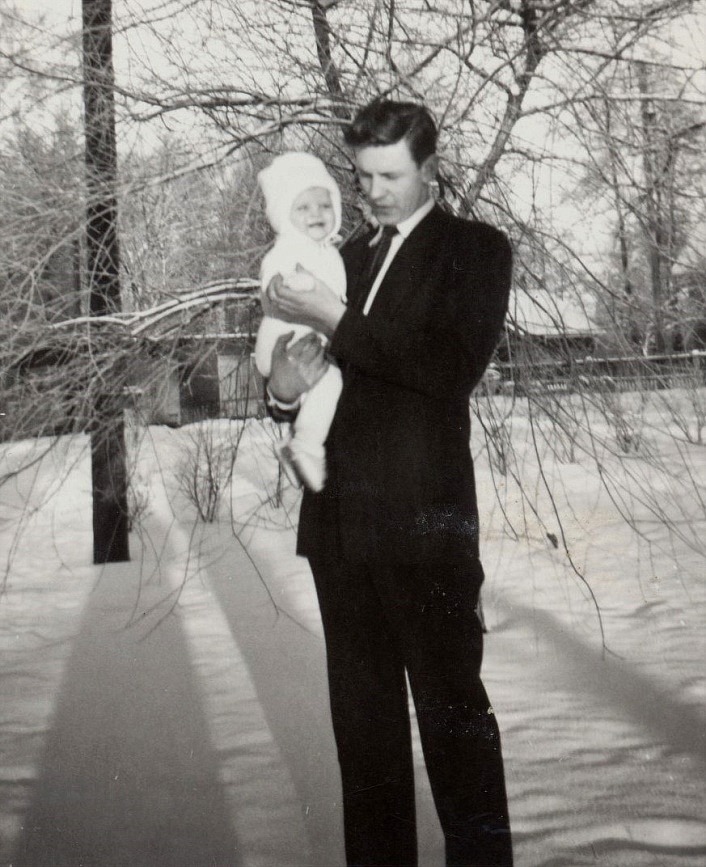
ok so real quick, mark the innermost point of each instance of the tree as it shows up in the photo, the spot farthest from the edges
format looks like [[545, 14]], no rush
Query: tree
[[542, 130], [108, 467], [645, 163]]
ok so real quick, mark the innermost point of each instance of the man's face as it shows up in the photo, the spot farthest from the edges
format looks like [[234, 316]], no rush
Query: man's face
[[394, 185], [312, 213]]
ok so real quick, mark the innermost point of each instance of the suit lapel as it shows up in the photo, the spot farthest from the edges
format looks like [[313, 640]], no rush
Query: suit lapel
[[410, 267], [414, 259]]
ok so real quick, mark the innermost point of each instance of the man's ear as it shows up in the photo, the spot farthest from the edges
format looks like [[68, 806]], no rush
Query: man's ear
[[429, 168]]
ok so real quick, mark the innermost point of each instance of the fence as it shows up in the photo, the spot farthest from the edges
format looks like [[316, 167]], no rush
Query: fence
[[620, 373], [237, 390]]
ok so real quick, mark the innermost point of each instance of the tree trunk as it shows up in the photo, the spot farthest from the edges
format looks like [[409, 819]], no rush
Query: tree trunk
[[108, 467], [653, 203]]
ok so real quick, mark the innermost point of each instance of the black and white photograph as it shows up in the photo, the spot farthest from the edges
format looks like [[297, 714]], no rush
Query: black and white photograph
[[352, 433]]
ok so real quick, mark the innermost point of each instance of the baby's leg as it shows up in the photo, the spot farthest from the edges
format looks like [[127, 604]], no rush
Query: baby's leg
[[305, 452], [318, 407]]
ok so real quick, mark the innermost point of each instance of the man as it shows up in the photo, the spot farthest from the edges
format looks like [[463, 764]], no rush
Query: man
[[393, 538]]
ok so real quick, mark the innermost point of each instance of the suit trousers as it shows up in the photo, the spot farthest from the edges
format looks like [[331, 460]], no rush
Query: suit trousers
[[383, 623]]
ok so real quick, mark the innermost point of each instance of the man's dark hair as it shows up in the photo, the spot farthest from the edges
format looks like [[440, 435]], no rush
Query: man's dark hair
[[384, 122]]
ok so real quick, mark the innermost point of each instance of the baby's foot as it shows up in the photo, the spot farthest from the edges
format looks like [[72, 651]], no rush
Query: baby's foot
[[305, 462], [310, 464], [283, 451]]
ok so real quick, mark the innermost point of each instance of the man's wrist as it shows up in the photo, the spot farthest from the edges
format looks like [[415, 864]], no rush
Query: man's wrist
[[276, 402]]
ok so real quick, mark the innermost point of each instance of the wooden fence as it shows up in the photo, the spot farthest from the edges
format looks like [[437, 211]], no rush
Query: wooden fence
[[619, 373]]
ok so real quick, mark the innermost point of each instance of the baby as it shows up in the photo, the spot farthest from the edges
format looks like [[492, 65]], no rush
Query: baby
[[303, 206]]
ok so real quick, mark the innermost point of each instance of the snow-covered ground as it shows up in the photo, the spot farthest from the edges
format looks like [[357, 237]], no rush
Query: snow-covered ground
[[173, 711]]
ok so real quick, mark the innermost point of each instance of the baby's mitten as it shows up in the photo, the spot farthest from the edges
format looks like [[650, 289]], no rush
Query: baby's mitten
[[299, 280]]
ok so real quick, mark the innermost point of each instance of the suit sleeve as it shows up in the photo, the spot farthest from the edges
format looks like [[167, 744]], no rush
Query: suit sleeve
[[446, 349], [278, 414]]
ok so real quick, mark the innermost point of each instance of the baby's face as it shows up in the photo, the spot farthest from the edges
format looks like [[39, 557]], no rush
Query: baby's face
[[312, 213]]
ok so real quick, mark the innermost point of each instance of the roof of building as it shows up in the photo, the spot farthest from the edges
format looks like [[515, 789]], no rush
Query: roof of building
[[542, 313]]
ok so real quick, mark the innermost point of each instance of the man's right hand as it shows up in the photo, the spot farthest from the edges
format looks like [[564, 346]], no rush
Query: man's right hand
[[296, 368]]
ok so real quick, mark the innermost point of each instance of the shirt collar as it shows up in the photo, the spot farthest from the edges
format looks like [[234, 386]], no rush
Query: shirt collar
[[406, 227]]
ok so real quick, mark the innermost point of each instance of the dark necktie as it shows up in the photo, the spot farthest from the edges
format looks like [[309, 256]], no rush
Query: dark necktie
[[380, 250]]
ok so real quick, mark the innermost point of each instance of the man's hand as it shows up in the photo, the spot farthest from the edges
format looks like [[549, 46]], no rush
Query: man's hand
[[296, 368], [317, 307]]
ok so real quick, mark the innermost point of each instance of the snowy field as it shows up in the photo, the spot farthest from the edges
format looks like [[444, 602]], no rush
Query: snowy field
[[172, 710]]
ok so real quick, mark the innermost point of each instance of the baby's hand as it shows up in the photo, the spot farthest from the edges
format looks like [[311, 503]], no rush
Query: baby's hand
[[299, 280]]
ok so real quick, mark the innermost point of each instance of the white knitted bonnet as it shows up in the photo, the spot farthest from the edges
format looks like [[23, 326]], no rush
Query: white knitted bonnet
[[285, 178]]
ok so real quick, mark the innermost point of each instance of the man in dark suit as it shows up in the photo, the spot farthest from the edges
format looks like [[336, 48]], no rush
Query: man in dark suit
[[393, 538]]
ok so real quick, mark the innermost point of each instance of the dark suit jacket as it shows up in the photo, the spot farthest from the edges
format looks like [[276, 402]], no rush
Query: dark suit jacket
[[401, 485]]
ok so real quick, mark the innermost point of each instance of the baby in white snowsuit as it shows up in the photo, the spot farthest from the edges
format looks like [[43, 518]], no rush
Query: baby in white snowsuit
[[303, 205]]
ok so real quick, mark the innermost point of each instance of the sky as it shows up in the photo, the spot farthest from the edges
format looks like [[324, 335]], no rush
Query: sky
[[145, 57]]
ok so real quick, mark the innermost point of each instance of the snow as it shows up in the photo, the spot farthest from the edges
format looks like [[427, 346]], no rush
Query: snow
[[173, 710]]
